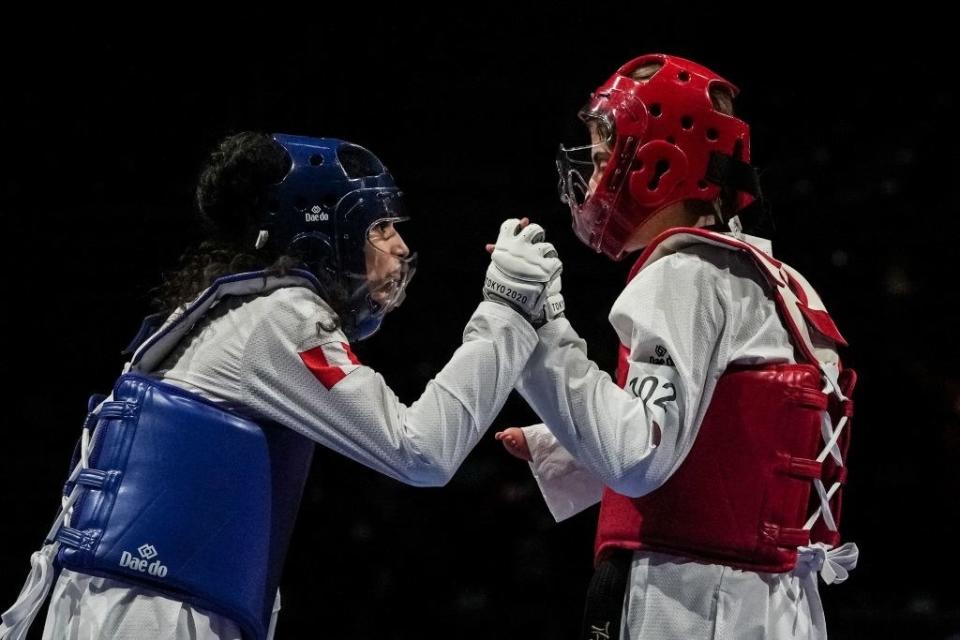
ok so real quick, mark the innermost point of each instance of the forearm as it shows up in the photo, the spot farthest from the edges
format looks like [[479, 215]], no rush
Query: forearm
[[359, 416], [616, 435]]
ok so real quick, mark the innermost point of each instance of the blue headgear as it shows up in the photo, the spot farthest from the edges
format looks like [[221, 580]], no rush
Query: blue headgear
[[321, 213]]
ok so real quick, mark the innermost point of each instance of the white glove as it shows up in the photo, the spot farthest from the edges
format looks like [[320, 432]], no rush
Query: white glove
[[524, 273]]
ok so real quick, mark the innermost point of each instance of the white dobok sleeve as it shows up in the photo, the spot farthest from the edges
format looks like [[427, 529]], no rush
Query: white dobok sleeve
[[671, 316], [305, 377]]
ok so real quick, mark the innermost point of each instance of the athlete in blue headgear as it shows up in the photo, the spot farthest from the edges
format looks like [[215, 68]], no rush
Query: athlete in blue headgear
[[188, 477]]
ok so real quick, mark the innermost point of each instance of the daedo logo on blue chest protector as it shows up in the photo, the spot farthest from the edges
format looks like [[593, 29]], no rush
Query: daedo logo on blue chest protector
[[142, 564]]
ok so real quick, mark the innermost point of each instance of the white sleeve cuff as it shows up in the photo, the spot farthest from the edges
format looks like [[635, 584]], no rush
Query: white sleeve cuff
[[567, 487]]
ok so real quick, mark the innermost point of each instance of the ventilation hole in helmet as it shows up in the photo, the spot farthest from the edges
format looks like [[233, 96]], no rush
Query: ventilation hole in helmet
[[316, 160], [683, 76], [686, 122], [671, 140], [702, 185], [273, 205], [662, 167], [300, 202], [712, 134], [357, 162], [655, 110]]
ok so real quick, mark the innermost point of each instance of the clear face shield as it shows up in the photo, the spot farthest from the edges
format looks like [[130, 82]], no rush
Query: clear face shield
[[582, 169], [376, 263], [390, 265]]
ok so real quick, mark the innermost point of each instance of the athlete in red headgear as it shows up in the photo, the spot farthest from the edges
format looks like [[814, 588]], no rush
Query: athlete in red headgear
[[718, 455]]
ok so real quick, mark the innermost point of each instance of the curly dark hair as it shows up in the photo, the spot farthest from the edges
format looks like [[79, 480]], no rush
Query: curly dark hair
[[231, 197]]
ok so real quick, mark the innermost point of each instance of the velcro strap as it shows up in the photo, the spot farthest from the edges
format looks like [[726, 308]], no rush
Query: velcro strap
[[808, 397], [726, 170], [93, 478], [78, 539], [118, 409], [772, 533], [848, 408], [99, 479], [839, 475], [803, 468]]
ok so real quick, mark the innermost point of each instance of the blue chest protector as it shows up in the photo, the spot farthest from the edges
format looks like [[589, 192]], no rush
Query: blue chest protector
[[183, 497]]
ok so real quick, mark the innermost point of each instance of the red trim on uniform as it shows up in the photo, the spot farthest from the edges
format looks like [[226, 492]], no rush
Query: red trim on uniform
[[350, 355], [320, 367], [822, 322]]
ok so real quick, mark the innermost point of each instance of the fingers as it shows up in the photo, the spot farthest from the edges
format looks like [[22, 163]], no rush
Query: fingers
[[506, 438], [546, 250], [520, 227], [515, 443], [512, 226], [532, 233]]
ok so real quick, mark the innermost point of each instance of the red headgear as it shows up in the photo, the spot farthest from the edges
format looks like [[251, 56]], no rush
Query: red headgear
[[668, 143]]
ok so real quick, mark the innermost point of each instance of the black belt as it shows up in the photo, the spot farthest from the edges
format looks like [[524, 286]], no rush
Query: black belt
[[604, 607]]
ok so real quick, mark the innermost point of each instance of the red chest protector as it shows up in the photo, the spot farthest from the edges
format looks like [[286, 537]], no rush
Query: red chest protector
[[742, 496]]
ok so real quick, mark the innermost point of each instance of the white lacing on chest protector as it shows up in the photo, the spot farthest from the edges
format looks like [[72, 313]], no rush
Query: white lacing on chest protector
[[16, 620], [833, 564], [831, 436]]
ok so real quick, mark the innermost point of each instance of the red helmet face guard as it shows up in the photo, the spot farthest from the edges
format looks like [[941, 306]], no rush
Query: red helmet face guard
[[660, 135]]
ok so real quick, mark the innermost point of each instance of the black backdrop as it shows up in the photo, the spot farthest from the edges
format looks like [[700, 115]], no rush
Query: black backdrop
[[104, 130]]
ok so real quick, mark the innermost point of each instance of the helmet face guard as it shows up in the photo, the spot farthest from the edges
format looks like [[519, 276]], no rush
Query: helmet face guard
[[592, 193], [381, 286], [663, 142], [323, 213]]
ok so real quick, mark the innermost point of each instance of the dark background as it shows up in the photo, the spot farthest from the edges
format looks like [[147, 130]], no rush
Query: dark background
[[854, 125]]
